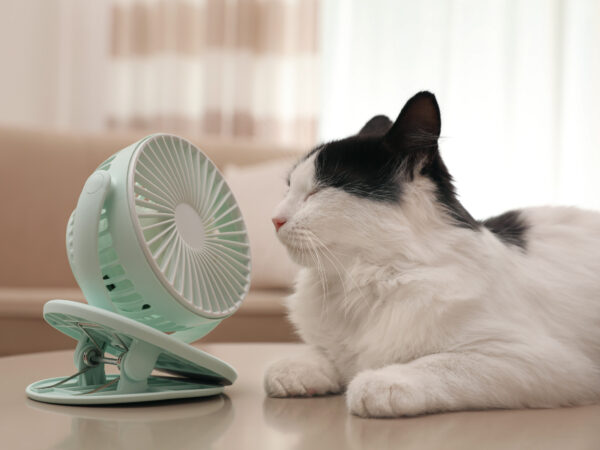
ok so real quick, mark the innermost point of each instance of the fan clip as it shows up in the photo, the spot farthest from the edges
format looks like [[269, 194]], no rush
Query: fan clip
[[135, 366]]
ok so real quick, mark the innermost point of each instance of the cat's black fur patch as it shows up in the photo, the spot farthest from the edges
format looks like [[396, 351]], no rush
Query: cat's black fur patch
[[303, 158], [362, 166], [446, 194], [377, 126], [510, 228], [359, 165], [376, 162]]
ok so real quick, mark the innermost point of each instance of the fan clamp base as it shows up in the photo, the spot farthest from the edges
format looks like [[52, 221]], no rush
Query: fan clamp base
[[151, 365]]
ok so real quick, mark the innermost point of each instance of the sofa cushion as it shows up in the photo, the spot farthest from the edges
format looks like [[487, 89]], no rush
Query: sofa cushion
[[258, 189]]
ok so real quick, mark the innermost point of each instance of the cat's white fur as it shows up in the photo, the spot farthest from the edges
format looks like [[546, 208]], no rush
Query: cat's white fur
[[410, 314]]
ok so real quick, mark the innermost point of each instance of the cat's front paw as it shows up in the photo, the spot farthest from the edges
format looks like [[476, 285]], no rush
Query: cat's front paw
[[374, 393], [299, 378]]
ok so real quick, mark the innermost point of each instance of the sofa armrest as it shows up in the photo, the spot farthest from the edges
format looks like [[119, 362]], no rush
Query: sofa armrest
[[261, 318]]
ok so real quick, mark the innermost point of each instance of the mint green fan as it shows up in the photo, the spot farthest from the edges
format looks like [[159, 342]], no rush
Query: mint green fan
[[159, 248]]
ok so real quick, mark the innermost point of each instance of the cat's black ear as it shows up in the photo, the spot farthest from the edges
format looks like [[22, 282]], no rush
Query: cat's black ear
[[378, 125], [418, 125]]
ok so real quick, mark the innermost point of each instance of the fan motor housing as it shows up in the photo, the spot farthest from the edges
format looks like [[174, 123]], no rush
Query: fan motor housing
[[133, 279]]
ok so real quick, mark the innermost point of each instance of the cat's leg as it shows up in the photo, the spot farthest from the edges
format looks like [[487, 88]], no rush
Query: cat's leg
[[460, 381], [306, 374]]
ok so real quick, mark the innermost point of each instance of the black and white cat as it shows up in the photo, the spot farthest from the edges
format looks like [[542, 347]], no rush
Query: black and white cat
[[410, 305]]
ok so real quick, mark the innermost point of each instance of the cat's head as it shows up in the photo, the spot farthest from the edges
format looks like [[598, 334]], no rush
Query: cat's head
[[372, 194]]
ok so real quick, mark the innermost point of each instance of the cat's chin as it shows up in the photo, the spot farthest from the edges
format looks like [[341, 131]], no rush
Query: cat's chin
[[300, 256]]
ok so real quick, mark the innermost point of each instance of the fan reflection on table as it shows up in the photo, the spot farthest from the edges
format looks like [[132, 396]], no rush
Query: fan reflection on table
[[173, 424]]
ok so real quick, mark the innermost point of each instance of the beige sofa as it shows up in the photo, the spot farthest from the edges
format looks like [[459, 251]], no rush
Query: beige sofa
[[41, 175]]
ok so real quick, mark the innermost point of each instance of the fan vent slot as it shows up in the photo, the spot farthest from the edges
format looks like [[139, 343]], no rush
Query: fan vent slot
[[106, 164], [70, 249], [119, 287], [156, 321], [131, 303]]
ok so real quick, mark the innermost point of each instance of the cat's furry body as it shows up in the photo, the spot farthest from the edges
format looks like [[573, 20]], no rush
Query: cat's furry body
[[410, 313]]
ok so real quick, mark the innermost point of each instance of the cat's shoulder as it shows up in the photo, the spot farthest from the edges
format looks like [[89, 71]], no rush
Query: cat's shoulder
[[510, 227], [517, 226]]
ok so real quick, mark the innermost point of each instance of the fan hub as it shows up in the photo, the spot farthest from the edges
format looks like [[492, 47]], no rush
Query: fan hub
[[190, 226]]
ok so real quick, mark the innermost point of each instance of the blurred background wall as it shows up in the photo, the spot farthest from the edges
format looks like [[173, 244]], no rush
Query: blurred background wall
[[517, 80], [54, 69]]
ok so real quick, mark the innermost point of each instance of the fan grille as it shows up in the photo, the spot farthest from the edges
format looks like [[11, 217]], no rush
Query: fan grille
[[190, 226]]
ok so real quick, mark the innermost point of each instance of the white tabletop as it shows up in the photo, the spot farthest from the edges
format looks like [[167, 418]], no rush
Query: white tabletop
[[245, 418]]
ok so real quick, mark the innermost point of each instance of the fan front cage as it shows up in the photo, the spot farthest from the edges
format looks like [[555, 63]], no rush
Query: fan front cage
[[189, 225]]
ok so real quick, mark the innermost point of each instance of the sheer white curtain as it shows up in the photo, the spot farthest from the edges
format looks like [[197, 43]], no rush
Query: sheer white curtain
[[518, 82], [244, 68], [55, 59], [82, 64]]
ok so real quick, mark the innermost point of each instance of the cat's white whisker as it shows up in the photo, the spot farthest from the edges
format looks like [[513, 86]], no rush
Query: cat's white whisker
[[336, 266]]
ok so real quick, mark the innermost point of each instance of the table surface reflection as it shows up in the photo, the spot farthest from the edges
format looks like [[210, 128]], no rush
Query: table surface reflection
[[245, 418]]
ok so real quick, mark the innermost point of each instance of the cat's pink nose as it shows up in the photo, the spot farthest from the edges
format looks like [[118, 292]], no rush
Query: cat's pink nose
[[278, 222]]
